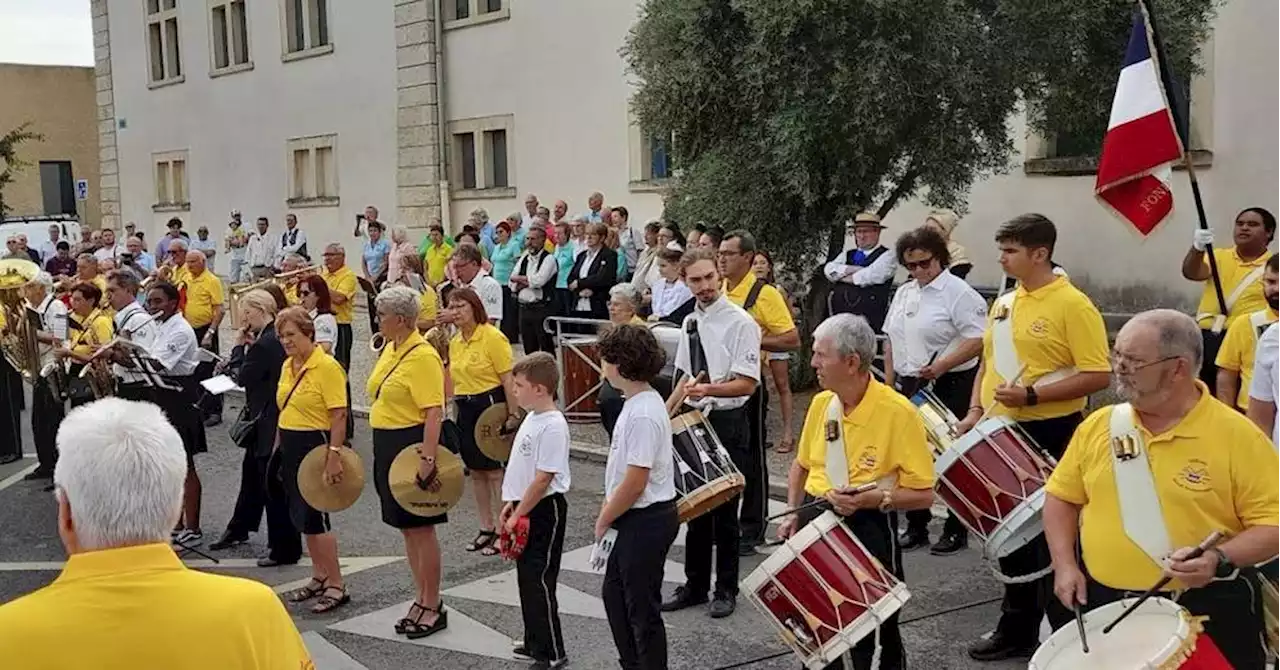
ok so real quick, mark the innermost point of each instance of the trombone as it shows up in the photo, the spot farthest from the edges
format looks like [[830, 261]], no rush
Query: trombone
[[283, 280]]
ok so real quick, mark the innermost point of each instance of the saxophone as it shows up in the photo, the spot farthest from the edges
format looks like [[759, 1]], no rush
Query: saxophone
[[97, 371]]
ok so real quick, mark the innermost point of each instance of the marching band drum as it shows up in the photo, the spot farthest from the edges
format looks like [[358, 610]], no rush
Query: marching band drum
[[705, 474], [1159, 634]]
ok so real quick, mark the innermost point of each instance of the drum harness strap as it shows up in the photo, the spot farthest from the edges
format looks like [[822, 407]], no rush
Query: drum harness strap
[[1136, 487], [1220, 320], [1005, 353]]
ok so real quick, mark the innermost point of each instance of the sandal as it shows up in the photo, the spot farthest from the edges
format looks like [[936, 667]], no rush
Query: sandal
[[491, 550], [785, 447], [302, 595], [416, 631], [328, 603], [409, 619], [484, 538]]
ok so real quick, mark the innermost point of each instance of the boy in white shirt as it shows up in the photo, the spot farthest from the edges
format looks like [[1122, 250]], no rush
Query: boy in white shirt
[[534, 485]]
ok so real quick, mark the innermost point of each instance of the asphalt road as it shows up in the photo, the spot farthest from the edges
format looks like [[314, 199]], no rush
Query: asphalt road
[[480, 592]]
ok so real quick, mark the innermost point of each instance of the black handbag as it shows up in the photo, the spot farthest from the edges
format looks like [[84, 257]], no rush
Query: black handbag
[[244, 429]]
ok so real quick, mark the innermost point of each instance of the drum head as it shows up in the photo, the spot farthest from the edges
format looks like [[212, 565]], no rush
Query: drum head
[[330, 497], [492, 436], [1158, 632], [434, 500]]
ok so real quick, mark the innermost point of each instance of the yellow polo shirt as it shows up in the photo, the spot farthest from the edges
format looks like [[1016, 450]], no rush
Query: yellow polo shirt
[[428, 304], [133, 608], [414, 381], [322, 386], [343, 281], [204, 293], [88, 337], [1214, 470], [770, 311], [479, 363], [1232, 270], [883, 435], [179, 276], [291, 294], [436, 259], [1055, 326], [1236, 353]]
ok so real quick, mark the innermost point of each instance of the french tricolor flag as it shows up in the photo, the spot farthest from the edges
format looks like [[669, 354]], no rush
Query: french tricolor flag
[[1142, 141]]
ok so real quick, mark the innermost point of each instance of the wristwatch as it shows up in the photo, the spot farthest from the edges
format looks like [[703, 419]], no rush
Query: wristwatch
[[886, 500], [1226, 569], [1032, 398]]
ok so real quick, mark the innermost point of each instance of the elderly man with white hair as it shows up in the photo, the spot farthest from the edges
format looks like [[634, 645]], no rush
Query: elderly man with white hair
[[204, 309], [859, 432], [1144, 482], [128, 598], [47, 407]]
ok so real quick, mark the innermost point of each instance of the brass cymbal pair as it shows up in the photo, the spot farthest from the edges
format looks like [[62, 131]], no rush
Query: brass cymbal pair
[[428, 499]]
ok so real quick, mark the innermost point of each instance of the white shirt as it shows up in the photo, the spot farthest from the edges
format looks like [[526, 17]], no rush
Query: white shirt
[[642, 437], [48, 249], [133, 323], [490, 292], [53, 320], [326, 327], [667, 297], [930, 321], [588, 257], [291, 240], [175, 346], [541, 445], [108, 252], [730, 339], [261, 251], [880, 271], [539, 275], [1264, 385]]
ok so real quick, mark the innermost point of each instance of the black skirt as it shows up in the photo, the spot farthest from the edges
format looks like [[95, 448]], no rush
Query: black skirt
[[294, 446], [469, 409], [387, 444], [180, 407]]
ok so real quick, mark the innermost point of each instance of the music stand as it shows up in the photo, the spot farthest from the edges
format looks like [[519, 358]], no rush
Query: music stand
[[151, 370]]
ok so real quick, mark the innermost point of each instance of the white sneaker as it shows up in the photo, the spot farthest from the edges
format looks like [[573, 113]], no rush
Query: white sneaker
[[189, 538]]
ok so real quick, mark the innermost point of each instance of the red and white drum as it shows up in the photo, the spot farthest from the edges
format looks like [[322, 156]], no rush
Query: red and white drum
[[1159, 634], [824, 591], [992, 478]]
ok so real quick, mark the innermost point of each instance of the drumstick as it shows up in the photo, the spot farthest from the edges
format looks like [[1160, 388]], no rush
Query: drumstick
[[1209, 542], [1084, 642], [822, 501], [678, 393], [1012, 382]]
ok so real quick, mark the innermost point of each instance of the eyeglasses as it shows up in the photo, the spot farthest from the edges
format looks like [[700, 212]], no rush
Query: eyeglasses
[[918, 265], [303, 294], [1127, 365], [728, 254]]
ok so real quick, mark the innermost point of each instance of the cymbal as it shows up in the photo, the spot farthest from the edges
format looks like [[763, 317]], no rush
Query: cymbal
[[424, 502], [330, 497], [491, 435]]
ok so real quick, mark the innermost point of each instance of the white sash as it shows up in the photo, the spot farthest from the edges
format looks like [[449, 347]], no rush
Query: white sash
[[1220, 320], [1257, 320], [1005, 353], [1136, 488], [837, 461]]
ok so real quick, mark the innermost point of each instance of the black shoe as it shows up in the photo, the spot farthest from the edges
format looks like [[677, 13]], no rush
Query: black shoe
[[723, 605], [913, 539], [48, 487], [747, 547], [228, 540], [520, 652], [10, 458], [997, 648], [37, 474], [212, 421], [269, 562], [681, 599], [949, 544], [549, 665]]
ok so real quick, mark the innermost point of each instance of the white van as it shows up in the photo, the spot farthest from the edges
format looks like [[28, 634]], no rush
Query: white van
[[36, 228]]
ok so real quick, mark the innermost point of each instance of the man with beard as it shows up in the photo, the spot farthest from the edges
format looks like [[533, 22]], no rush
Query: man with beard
[[1142, 483], [1044, 352], [1235, 358]]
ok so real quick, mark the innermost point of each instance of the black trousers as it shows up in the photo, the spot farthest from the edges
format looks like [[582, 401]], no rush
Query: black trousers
[[537, 571], [1234, 609], [342, 353], [877, 532], [610, 402], [755, 497], [283, 540], [532, 335], [1209, 367], [210, 404], [953, 389], [47, 412], [11, 399], [1025, 604], [510, 325], [718, 528], [632, 590]]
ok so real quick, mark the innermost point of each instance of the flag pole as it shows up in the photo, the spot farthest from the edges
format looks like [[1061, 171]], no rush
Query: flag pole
[[1178, 123]]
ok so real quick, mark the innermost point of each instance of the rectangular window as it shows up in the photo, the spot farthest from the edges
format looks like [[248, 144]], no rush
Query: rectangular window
[[171, 181], [229, 34], [495, 151], [461, 13], [313, 171], [163, 46], [465, 151], [659, 157], [461, 9], [306, 27], [482, 159], [492, 6], [57, 187]]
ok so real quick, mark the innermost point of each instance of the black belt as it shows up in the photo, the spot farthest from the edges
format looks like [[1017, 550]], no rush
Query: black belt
[[491, 394]]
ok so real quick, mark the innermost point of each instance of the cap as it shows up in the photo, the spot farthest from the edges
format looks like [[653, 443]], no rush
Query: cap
[[867, 219], [235, 212]]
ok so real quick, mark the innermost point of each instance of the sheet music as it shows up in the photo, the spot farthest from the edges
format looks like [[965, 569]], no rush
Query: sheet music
[[220, 384]]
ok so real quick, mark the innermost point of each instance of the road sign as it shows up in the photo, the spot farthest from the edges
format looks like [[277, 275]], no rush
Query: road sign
[[82, 189]]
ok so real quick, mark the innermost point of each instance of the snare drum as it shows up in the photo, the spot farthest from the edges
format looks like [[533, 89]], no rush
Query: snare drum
[[992, 478], [1159, 634], [938, 420], [706, 477], [824, 591], [581, 361]]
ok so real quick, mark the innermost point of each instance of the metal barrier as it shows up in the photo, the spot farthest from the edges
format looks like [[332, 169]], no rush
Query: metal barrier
[[574, 358]]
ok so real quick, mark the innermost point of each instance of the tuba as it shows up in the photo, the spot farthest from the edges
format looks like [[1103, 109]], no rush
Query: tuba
[[18, 339]]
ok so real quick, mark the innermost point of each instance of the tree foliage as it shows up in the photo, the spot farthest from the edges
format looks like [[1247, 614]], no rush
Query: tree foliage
[[789, 117], [9, 158]]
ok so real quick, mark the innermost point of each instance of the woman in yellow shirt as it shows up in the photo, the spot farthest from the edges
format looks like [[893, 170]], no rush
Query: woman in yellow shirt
[[407, 389], [88, 329], [480, 361], [312, 397]]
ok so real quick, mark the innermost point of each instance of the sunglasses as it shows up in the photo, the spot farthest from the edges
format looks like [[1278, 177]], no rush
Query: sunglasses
[[303, 294], [918, 265]]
